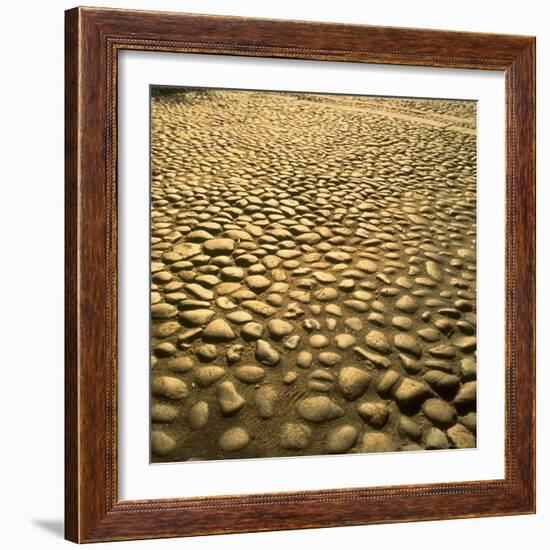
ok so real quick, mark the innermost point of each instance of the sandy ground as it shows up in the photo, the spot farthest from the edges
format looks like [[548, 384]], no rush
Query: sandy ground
[[313, 274]]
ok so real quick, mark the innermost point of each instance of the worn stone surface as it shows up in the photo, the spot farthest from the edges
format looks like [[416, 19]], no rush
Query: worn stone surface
[[461, 437], [198, 415], [353, 382], [319, 409], [313, 274], [233, 439], [377, 442], [341, 439], [161, 443], [374, 414], [439, 412], [295, 436]]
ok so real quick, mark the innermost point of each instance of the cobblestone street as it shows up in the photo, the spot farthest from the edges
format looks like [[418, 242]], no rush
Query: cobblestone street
[[313, 274]]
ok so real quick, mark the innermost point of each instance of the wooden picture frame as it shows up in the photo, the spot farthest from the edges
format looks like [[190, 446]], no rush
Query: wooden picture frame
[[93, 511]]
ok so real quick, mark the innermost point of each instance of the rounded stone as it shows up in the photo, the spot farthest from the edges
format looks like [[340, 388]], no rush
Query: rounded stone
[[163, 413], [327, 294], [376, 319], [258, 283], [442, 381], [266, 354], [290, 377], [224, 289], [354, 323], [161, 443], [218, 247], [460, 437], [402, 323], [407, 344], [271, 262], [329, 358], [294, 436], [407, 304], [164, 349], [239, 317], [374, 414], [304, 359], [266, 398], [249, 374], [470, 421], [443, 351], [278, 328], [233, 439], [324, 277], [198, 415], [337, 257], [163, 311], [218, 330], [232, 274], [466, 254], [225, 303], [259, 308], [387, 381], [353, 382], [432, 269], [207, 281], [169, 387], [436, 439], [410, 428], [376, 340], [318, 341], [187, 250], [368, 266], [411, 392], [345, 341], [252, 331], [200, 292], [292, 342], [180, 364], [319, 409], [357, 305], [196, 317], [409, 364], [466, 395], [376, 442], [207, 352], [466, 344], [206, 376], [428, 334], [229, 399], [341, 439], [468, 368], [439, 412], [164, 330]]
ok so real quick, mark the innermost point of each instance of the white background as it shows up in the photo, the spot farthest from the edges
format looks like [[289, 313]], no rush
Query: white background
[[31, 474], [140, 480]]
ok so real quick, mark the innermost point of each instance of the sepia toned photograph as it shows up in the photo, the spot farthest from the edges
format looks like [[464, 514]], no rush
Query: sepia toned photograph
[[313, 274]]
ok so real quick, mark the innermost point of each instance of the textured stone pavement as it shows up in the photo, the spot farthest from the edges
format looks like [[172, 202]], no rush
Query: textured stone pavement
[[313, 274]]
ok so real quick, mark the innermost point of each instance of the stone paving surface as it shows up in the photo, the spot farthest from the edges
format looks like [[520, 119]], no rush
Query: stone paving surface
[[313, 268]]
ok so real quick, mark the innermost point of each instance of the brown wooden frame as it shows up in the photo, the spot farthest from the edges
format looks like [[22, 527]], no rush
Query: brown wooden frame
[[93, 38]]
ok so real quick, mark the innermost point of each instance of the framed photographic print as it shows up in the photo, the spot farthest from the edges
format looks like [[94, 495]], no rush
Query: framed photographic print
[[300, 275]]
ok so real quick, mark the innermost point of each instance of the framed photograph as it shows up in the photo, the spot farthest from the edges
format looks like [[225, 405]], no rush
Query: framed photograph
[[300, 275]]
